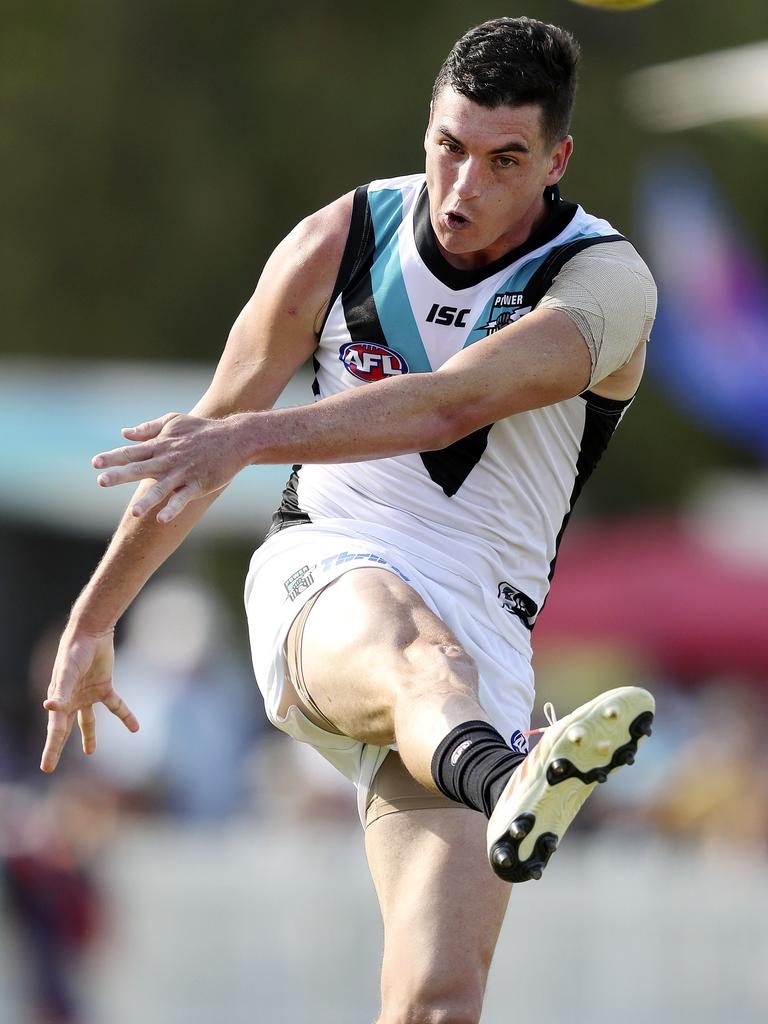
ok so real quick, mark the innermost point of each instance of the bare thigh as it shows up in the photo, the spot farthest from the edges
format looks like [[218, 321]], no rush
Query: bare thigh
[[381, 667], [442, 908]]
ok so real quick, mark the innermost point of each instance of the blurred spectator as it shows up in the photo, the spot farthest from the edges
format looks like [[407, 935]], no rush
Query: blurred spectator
[[49, 848], [52, 833], [198, 707], [716, 789]]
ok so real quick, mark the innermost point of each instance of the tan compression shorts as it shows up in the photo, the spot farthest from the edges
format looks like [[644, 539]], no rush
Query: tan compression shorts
[[393, 788], [296, 691]]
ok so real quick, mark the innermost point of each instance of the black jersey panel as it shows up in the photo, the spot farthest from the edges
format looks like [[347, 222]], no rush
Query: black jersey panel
[[289, 513], [360, 313], [449, 467], [358, 248], [600, 422], [358, 254]]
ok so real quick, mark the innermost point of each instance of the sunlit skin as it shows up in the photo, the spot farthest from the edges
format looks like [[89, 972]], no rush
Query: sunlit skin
[[487, 169]]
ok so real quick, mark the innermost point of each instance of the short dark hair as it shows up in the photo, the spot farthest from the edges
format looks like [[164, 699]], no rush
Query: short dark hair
[[512, 62]]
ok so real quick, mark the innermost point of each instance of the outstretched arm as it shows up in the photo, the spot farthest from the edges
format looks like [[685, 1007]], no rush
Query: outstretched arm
[[274, 334], [540, 360]]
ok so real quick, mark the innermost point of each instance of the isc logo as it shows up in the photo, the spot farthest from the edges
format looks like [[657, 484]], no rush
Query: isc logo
[[447, 316], [368, 361]]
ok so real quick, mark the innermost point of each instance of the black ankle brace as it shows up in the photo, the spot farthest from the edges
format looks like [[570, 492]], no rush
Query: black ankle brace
[[473, 764]]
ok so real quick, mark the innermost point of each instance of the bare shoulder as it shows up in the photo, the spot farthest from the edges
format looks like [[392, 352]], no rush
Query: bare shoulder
[[307, 260], [277, 328], [324, 232]]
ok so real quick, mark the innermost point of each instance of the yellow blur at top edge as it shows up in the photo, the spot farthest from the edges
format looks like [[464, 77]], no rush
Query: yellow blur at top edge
[[616, 5]]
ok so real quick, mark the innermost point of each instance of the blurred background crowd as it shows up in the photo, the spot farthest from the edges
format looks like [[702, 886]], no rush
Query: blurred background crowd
[[153, 155]]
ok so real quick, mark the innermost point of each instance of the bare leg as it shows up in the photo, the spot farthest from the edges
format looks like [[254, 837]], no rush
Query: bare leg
[[442, 908], [383, 668]]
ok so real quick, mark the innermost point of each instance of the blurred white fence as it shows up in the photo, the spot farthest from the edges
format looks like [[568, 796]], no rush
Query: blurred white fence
[[257, 926]]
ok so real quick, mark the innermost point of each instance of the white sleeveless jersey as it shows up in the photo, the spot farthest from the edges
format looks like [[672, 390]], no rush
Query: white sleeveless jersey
[[493, 505]]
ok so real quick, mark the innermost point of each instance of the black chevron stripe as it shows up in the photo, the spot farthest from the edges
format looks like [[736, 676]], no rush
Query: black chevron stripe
[[449, 467]]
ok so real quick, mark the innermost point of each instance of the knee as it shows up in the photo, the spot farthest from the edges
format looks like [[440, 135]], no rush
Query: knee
[[439, 665]]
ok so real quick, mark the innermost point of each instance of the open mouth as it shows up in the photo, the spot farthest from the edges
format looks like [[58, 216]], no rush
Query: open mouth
[[456, 221]]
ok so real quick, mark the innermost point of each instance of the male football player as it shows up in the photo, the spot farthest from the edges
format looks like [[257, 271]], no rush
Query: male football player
[[476, 340]]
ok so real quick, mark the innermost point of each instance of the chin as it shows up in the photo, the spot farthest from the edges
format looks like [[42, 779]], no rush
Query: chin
[[458, 242]]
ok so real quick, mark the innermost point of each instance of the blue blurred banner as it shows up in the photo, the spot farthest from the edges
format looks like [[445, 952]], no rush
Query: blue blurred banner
[[55, 415], [710, 342]]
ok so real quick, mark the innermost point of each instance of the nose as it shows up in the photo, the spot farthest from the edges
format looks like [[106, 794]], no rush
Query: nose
[[468, 180]]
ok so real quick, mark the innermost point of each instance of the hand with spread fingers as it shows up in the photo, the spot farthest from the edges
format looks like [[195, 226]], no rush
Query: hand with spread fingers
[[187, 457], [82, 677]]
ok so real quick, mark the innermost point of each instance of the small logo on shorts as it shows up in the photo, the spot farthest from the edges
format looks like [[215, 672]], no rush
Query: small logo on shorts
[[301, 580], [459, 751], [360, 556], [518, 742], [516, 602]]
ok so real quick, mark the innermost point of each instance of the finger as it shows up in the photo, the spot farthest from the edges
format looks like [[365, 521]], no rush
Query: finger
[[59, 727], [153, 496], [150, 469], [60, 690], [118, 707], [178, 502], [86, 719], [145, 431], [56, 704], [124, 455]]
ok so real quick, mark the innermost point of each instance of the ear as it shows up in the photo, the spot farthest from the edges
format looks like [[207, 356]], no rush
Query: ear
[[558, 160], [429, 125]]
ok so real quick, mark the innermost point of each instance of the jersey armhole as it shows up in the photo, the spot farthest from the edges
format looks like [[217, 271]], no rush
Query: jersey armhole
[[356, 248], [611, 406]]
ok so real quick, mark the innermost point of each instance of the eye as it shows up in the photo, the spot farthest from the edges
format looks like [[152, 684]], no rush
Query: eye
[[505, 161], [452, 147]]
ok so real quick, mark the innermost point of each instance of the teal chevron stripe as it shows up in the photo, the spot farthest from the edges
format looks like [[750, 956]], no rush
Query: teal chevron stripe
[[398, 323]]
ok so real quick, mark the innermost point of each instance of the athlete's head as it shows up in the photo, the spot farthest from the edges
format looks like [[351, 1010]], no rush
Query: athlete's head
[[498, 134], [513, 62]]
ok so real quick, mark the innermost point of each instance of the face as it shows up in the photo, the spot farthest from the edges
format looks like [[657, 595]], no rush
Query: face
[[486, 174]]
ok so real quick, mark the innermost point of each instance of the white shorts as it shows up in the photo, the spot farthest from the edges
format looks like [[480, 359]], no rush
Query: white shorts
[[299, 561]]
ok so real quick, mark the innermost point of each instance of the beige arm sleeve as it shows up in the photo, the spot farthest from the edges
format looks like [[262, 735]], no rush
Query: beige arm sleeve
[[608, 292]]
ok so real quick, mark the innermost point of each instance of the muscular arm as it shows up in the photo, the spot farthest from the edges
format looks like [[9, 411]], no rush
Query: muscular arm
[[274, 334], [540, 360]]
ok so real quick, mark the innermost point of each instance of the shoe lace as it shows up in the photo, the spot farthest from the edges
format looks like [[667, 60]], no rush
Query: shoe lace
[[551, 716]]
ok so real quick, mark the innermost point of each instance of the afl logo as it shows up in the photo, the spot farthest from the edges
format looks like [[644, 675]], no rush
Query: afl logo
[[368, 361]]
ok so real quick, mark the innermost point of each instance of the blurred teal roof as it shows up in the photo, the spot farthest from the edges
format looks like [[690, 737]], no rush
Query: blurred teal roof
[[54, 416]]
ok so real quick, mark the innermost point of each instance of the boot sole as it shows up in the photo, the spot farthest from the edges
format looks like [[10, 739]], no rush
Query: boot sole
[[584, 748]]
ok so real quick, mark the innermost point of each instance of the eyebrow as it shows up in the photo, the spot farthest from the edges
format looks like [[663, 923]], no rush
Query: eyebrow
[[511, 147]]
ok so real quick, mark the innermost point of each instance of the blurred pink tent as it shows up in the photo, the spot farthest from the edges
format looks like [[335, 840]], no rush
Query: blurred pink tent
[[655, 588]]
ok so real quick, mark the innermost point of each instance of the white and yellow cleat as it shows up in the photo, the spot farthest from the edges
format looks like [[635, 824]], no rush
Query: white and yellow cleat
[[544, 794]]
